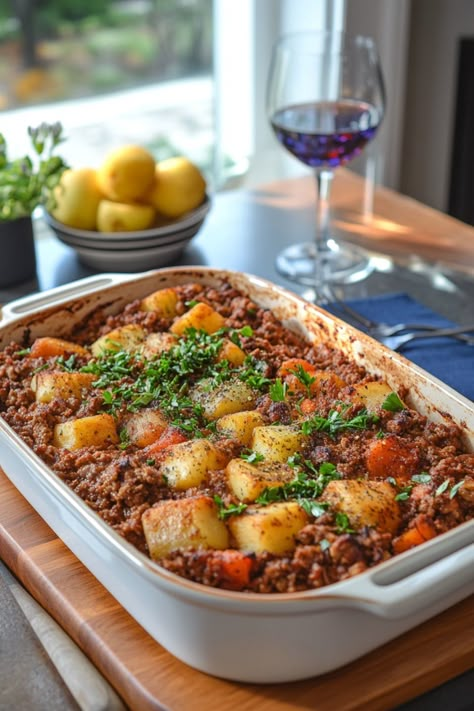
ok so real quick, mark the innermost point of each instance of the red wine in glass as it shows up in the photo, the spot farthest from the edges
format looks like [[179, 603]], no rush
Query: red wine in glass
[[325, 101], [326, 133]]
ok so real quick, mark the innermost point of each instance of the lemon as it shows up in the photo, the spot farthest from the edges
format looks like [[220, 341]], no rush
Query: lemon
[[127, 173], [77, 197], [179, 187], [123, 217]]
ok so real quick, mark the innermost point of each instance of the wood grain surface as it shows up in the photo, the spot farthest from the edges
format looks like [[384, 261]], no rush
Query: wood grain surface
[[397, 225], [148, 677]]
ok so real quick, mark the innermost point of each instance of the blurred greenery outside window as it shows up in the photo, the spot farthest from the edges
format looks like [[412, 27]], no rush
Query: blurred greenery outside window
[[113, 72]]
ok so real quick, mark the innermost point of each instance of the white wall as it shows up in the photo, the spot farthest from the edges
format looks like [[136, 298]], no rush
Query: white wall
[[269, 19], [387, 22], [436, 26]]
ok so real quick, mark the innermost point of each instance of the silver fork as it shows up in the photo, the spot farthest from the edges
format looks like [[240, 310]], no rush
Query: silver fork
[[460, 333], [387, 332]]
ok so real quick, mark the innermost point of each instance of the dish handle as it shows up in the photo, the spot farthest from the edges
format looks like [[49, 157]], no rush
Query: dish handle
[[395, 595], [26, 304]]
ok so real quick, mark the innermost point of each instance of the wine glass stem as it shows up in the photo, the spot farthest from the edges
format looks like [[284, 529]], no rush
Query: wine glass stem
[[323, 188]]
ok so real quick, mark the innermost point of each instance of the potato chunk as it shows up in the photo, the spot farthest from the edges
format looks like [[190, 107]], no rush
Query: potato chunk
[[277, 442], [268, 528], [157, 343], [145, 426], [224, 399], [366, 503], [240, 425], [184, 524], [48, 386], [125, 338], [232, 352], [201, 317], [93, 431], [49, 347], [186, 464], [163, 301], [247, 481], [372, 395]]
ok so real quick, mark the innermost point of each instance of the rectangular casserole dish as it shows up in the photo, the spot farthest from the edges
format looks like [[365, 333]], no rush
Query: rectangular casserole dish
[[246, 637]]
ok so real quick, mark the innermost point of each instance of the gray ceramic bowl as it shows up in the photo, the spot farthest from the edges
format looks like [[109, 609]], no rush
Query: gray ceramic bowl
[[151, 241]]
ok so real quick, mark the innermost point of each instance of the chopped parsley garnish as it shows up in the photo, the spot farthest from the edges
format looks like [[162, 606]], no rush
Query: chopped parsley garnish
[[404, 492], [422, 478], [456, 488], [245, 331], [324, 544], [442, 487], [392, 403], [343, 525], [304, 377], [303, 488], [68, 364], [226, 511], [132, 381], [313, 508], [124, 439], [252, 457], [335, 422], [278, 390], [445, 486], [252, 373]]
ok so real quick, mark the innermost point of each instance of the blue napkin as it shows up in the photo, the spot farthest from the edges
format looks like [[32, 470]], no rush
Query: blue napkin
[[448, 359]]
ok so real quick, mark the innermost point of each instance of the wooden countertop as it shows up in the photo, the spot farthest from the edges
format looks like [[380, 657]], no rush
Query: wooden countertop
[[396, 225]]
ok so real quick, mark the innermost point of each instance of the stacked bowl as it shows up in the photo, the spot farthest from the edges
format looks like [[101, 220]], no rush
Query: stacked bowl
[[132, 251]]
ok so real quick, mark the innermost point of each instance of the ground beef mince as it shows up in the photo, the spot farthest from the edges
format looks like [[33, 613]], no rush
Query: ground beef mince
[[231, 451]]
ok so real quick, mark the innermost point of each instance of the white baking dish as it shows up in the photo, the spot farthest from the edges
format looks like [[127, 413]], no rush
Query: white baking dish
[[246, 637]]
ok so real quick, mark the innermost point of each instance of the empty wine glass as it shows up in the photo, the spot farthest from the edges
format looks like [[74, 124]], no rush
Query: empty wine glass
[[325, 101]]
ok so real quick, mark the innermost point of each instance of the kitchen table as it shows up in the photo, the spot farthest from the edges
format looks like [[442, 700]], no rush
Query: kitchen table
[[415, 250]]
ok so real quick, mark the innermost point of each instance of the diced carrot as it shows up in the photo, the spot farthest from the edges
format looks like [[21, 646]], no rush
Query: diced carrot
[[235, 568], [392, 456], [406, 540], [425, 527], [290, 371], [169, 437], [48, 347], [308, 406], [422, 531], [290, 366]]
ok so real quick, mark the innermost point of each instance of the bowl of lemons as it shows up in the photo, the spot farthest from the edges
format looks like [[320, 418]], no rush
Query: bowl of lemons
[[131, 213]]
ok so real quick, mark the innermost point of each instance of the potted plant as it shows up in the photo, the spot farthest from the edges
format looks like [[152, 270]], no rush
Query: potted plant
[[26, 183]]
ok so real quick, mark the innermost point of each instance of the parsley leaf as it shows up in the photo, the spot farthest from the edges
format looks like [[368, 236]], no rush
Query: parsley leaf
[[456, 488], [124, 439], [303, 487], [392, 403], [232, 510], [278, 390], [442, 487], [335, 422], [304, 377], [252, 457], [343, 525]]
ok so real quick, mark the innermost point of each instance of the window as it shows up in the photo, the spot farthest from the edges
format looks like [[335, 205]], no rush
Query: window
[[113, 72], [178, 76]]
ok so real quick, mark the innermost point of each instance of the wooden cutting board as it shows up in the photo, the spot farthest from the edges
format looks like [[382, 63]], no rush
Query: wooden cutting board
[[148, 677]]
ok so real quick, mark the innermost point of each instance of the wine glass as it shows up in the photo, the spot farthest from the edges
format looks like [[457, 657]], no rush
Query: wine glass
[[325, 102]]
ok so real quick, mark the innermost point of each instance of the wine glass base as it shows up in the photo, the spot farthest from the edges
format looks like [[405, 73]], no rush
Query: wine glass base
[[339, 264]]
